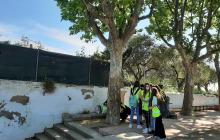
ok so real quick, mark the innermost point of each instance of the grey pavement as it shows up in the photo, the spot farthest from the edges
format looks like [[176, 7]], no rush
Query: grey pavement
[[200, 126]]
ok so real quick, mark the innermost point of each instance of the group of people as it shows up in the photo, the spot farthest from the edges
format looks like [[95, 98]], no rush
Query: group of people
[[145, 100]]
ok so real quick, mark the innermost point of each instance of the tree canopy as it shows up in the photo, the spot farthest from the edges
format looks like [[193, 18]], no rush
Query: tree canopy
[[192, 28], [113, 22]]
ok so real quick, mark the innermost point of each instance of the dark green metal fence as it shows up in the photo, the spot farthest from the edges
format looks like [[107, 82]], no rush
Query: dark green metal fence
[[18, 63]]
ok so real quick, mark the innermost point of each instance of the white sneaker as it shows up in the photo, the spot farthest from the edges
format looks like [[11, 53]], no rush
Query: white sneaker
[[130, 126], [139, 127], [145, 131]]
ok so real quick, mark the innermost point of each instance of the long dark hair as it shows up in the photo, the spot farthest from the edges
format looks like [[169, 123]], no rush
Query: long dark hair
[[136, 85], [145, 91], [154, 92]]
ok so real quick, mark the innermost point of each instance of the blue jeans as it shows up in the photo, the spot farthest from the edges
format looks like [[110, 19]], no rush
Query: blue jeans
[[152, 123], [133, 109]]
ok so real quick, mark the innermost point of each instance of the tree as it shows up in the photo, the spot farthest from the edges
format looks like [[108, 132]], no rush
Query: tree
[[28, 43], [81, 53], [113, 22], [175, 71], [185, 25], [146, 61], [204, 75], [102, 56], [217, 67], [137, 59]]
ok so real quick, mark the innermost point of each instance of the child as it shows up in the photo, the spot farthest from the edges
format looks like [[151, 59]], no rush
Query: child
[[133, 103]]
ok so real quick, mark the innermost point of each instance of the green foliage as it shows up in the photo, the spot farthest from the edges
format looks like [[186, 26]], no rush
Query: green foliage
[[148, 62], [194, 31], [81, 53], [103, 56], [76, 12], [205, 74]]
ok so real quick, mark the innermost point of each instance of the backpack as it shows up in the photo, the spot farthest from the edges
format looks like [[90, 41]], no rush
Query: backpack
[[133, 101], [163, 104]]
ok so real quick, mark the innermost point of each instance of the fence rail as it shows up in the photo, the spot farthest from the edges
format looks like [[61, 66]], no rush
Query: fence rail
[[19, 63]]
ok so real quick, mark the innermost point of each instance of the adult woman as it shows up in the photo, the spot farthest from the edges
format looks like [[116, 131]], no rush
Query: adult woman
[[145, 106], [134, 104], [159, 127]]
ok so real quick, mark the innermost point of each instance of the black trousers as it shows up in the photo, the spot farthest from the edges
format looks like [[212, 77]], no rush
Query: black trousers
[[159, 128], [146, 115], [125, 112]]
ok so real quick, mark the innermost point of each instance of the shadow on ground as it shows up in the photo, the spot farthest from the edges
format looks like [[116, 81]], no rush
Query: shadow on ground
[[200, 126]]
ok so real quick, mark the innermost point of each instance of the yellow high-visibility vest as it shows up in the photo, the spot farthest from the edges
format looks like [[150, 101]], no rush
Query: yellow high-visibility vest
[[145, 101], [155, 112]]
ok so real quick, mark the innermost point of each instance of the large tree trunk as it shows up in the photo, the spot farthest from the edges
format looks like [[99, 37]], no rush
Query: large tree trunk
[[115, 84], [188, 89], [217, 67]]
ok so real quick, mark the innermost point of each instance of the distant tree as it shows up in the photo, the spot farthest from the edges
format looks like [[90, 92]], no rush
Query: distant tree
[[103, 56], [204, 75], [81, 53], [29, 43], [137, 59], [147, 61], [185, 25]]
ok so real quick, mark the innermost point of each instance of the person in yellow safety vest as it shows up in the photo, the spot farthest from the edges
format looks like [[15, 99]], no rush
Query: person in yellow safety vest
[[159, 127], [133, 103], [145, 97]]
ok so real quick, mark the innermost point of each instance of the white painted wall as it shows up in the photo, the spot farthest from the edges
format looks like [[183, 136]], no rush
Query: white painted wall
[[42, 111], [176, 99]]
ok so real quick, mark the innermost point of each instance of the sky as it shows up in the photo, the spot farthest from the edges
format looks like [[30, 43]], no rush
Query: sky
[[40, 20]]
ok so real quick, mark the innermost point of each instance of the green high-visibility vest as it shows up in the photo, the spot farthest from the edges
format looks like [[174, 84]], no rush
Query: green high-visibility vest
[[155, 112], [145, 101]]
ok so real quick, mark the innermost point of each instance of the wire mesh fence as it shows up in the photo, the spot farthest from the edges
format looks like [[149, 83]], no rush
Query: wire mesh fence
[[19, 63]]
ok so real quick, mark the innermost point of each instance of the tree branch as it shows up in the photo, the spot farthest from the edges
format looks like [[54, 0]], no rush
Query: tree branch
[[150, 13], [132, 23], [108, 10], [94, 11], [183, 9], [169, 7], [199, 34], [217, 65], [176, 21], [208, 54], [161, 36], [176, 72], [151, 69], [97, 30]]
